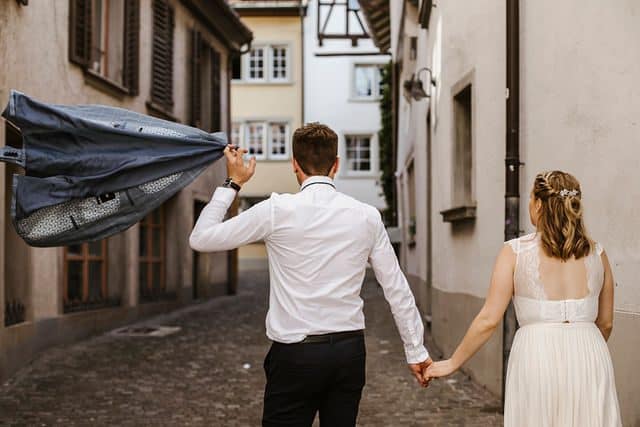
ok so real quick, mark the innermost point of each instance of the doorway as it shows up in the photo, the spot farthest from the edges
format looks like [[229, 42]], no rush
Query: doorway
[[17, 290], [429, 236], [196, 275]]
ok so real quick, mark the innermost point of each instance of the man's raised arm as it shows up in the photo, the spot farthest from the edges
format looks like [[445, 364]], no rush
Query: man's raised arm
[[211, 233]]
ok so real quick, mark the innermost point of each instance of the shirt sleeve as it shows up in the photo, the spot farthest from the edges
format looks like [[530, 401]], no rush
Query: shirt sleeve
[[398, 294], [211, 233]]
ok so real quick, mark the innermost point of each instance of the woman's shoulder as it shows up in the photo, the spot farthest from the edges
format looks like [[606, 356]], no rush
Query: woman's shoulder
[[523, 243]]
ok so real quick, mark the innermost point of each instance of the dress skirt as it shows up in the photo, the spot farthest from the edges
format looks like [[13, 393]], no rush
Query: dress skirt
[[560, 375]]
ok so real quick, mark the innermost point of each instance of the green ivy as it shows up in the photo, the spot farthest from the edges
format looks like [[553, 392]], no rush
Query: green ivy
[[385, 138]]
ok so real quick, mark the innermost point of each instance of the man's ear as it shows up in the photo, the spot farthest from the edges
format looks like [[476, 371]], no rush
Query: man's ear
[[296, 167], [335, 167]]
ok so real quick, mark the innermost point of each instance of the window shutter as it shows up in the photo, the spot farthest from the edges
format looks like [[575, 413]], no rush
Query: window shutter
[[132, 45], [80, 32], [196, 89], [215, 91], [162, 56]]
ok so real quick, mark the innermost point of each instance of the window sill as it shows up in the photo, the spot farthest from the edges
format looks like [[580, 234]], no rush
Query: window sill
[[261, 83], [161, 112], [352, 175], [104, 84], [364, 100], [459, 213]]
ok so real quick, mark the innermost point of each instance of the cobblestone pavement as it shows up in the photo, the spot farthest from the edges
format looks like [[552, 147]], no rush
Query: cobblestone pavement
[[210, 374]]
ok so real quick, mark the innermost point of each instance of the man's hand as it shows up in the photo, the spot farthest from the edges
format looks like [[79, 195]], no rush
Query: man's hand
[[236, 168], [418, 370]]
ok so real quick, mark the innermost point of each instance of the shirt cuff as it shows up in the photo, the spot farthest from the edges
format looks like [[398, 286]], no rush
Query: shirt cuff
[[224, 195], [416, 354]]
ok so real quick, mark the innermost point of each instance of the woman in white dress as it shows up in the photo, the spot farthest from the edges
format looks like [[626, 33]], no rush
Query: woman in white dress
[[560, 372]]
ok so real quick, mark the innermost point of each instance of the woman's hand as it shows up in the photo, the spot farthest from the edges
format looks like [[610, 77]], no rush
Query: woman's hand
[[440, 369], [236, 168]]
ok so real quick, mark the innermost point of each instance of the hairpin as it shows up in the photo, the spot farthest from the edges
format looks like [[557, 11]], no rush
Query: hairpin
[[568, 193]]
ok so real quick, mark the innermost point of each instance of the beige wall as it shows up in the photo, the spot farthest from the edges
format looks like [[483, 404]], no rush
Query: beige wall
[[272, 101], [579, 107], [34, 60]]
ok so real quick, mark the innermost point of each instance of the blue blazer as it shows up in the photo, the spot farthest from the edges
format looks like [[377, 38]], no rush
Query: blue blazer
[[92, 170]]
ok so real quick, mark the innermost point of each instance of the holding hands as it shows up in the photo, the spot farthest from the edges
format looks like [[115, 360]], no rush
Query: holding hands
[[426, 371]]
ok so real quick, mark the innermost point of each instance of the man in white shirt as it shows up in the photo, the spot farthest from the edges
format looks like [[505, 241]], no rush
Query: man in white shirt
[[318, 242]]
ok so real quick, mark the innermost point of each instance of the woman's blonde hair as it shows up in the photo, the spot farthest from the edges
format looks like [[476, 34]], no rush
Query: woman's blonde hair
[[560, 222]]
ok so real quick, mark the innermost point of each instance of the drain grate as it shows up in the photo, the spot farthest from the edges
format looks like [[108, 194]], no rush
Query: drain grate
[[146, 331]]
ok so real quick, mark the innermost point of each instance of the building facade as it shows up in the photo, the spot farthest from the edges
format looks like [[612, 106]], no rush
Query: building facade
[[167, 58], [342, 86], [267, 92], [471, 80]]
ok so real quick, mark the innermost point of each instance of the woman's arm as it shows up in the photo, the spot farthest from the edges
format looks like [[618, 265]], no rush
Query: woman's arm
[[485, 323], [605, 307]]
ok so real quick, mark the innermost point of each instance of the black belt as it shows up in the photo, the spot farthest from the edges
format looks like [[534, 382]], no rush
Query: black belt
[[332, 337]]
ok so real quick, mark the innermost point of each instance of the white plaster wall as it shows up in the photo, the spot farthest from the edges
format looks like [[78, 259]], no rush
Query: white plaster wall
[[328, 88], [472, 49], [581, 101]]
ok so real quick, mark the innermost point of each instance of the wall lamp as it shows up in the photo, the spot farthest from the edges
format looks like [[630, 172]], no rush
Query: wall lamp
[[413, 88]]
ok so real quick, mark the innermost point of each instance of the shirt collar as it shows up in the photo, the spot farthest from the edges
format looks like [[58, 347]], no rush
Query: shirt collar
[[317, 179]]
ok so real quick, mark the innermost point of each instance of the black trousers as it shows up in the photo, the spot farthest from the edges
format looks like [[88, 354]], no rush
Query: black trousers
[[304, 379]]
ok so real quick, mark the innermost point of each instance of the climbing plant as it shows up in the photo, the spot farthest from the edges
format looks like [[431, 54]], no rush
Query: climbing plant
[[385, 138]]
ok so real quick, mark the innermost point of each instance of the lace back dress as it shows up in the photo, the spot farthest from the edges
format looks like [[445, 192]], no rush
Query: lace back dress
[[560, 372]]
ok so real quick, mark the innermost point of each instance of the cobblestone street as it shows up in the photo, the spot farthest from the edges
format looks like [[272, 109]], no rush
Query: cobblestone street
[[210, 373]]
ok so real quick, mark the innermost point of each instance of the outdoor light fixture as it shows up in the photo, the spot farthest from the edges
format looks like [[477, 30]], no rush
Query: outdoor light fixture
[[413, 88]]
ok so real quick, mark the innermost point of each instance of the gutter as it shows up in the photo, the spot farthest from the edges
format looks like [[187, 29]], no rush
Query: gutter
[[512, 163]]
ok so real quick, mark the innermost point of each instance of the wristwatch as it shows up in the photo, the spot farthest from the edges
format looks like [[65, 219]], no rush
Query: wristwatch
[[228, 183]]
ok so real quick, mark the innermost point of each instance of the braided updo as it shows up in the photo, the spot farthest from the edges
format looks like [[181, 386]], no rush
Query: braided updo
[[560, 220]]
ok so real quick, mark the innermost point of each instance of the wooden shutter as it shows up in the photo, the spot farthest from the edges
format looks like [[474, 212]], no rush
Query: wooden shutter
[[80, 31], [215, 91], [131, 45], [196, 87], [162, 56]]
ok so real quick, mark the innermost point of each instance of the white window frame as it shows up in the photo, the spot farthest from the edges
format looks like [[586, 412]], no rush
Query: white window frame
[[247, 137], [284, 156], [376, 95], [287, 66], [240, 132], [246, 72], [373, 155]]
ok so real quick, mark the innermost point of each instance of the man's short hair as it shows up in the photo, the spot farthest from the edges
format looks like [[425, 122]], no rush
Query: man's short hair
[[315, 148]]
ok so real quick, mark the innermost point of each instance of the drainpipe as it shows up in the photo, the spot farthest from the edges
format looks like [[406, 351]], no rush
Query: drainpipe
[[302, 42], [512, 163]]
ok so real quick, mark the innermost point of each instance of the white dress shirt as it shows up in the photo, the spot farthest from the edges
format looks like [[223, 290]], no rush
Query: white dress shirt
[[318, 242]]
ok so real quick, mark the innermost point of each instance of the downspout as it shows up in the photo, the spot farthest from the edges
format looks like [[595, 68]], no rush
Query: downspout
[[302, 42], [512, 163]]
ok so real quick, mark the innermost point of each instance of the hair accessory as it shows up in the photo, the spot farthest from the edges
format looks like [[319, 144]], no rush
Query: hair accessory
[[568, 193]]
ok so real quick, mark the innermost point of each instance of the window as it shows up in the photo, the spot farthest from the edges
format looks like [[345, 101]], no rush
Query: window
[[236, 67], [236, 133], [278, 141], [162, 56], [358, 153], [85, 276], [279, 63], [205, 85], [265, 140], [256, 64], [104, 40], [411, 198], [462, 147], [367, 82], [256, 139], [152, 255], [263, 64]]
